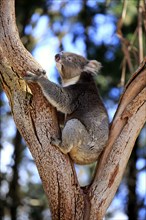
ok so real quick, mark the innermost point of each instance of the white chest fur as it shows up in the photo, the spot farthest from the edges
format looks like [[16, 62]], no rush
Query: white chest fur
[[68, 82]]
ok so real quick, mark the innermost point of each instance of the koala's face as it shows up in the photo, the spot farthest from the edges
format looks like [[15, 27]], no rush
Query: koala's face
[[70, 65]]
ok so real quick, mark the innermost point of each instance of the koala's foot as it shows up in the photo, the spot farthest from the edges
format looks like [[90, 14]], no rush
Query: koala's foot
[[55, 142], [58, 143]]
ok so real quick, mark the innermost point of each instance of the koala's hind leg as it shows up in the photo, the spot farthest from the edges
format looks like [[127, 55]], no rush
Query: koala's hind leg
[[73, 135]]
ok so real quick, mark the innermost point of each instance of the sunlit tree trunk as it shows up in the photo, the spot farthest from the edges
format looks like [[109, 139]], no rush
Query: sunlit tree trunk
[[37, 122]]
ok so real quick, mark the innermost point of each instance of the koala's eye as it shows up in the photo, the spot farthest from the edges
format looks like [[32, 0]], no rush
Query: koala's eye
[[69, 59]]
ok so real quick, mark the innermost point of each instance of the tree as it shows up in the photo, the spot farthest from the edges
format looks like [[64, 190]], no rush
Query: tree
[[37, 122]]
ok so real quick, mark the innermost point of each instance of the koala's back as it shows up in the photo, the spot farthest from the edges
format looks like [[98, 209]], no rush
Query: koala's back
[[89, 107], [91, 113]]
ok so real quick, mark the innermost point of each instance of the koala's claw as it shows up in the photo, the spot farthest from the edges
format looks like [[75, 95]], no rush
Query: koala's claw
[[55, 142], [31, 77], [41, 72]]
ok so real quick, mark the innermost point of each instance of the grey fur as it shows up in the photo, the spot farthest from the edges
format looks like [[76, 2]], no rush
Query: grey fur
[[86, 129]]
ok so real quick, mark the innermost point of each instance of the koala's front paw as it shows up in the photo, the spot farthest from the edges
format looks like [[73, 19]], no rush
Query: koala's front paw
[[41, 72], [31, 77]]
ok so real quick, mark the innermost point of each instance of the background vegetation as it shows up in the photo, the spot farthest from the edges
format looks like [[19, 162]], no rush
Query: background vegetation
[[112, 32]]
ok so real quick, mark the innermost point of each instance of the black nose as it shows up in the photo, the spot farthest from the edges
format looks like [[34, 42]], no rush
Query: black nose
[[57, 57]]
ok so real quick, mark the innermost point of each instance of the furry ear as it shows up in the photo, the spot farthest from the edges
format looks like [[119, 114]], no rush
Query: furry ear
[[93, 67]]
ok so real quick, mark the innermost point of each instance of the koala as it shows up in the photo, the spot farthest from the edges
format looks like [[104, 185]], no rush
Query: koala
[[86, 127]]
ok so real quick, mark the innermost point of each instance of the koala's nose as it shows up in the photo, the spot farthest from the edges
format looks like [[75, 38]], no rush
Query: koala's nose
[[57, 57]]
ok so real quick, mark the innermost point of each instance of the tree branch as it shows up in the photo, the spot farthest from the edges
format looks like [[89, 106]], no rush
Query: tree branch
[[127, 123], [37, 122]]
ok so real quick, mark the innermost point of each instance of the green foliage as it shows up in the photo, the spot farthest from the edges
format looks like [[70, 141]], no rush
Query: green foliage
[[82, 22]]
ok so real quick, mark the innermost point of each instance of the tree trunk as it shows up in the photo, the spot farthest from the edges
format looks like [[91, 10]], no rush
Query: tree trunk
[[37, 122]]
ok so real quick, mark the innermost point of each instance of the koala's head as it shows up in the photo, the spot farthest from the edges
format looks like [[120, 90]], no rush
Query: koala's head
[[71, 65]]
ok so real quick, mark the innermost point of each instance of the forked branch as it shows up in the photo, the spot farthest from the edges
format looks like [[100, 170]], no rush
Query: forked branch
[[37, 122]]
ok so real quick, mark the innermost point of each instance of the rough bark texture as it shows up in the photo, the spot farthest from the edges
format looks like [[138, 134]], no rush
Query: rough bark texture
[[37, 122]]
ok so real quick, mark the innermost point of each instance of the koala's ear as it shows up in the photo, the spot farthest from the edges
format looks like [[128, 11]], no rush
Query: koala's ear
[[93, 67]]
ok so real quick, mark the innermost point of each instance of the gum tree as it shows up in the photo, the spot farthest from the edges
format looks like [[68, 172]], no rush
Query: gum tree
[[37, 122]]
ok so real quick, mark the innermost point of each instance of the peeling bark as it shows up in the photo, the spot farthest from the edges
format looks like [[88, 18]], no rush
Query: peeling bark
[[37, 122]]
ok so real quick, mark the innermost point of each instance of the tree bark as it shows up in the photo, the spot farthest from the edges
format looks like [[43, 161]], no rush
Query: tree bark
[[37, 122]]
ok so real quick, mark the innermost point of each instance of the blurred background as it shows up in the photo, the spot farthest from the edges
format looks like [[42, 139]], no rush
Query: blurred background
[[110, 31]]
